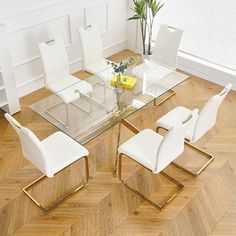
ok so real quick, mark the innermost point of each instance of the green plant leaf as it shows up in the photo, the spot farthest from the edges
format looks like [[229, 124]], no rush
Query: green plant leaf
[[160, 5], [156, 7], [139, 10], [135, 17]]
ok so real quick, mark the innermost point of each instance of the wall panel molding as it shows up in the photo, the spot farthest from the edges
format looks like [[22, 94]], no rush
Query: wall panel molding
[[91, 18], [59, 18], [43, 22], [32, 10], [35, 24], [29, 60]]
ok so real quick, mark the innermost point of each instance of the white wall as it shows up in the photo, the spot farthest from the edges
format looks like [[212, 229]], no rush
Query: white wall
[[32, 21]]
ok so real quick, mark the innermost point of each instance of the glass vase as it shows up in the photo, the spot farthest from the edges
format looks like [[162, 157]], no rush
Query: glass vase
[[118, 91]]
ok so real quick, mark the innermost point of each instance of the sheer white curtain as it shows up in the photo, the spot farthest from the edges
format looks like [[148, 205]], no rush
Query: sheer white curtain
[[209, 28]]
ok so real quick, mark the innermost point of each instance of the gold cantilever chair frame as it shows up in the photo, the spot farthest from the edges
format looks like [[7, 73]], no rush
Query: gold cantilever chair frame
[[63, 198], [156, 205], [204, 153]]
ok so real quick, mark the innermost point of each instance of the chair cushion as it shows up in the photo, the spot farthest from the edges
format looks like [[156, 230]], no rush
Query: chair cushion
[[101, 69], [176, 116], [69, 87], [62, 151], [69, 94], [62, 83], [153, 71], [97, 66], [143, 148], [85, 87]]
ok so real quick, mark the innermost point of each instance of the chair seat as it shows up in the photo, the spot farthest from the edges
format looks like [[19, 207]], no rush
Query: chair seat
[[134, 148], [69, 88], [62, 151], [153, 71], [101, 69], [176, 116]]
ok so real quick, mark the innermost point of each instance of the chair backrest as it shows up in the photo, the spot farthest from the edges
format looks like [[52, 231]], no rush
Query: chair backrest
[[32, 148], [91, 44], [172, 144], [167, 45], [208, 115], [54, 59]]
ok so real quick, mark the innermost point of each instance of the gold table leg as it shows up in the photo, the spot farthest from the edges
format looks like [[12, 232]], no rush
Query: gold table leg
[[172, 93], [117, 145]]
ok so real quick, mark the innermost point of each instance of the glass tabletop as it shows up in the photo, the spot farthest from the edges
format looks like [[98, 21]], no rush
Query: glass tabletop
[[84, 109]]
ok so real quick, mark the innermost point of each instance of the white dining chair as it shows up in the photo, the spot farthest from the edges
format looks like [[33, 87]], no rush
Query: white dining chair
[[93, 60], [164, 59], [58, 79], [50, 156], [155, 152], [203, 122]]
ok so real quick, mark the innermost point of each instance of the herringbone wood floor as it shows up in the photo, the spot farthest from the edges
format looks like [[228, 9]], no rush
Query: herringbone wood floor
[[205, 207]]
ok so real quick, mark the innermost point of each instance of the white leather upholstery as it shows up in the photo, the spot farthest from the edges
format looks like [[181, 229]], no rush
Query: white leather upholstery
[[91, 44], [69, 88], [143, 147], [154, 151], [66, 152], [203, 122], [56, 68], [51, 154], [93, 60], [101, 69], [54, 59], [59, 84], [163, 61], [167, 45], [208, 114], [97, 66], [153, 71], [176, 116]]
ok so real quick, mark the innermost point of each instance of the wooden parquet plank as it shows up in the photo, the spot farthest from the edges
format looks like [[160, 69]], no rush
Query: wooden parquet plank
[[227, 226], [105, 207], [198, 217]]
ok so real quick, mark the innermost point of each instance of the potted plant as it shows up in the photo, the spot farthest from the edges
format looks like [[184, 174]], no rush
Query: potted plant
[[145, 12]]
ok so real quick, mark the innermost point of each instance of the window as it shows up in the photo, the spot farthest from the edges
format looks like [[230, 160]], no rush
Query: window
[[209, 28]]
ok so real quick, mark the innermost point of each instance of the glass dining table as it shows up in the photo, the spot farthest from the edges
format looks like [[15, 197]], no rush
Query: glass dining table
[[107, 104]]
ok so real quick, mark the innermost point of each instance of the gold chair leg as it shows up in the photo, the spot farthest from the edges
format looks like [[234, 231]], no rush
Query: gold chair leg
[[62, 199], [132, 128], [157, 206], [172, 93], [207, 155]]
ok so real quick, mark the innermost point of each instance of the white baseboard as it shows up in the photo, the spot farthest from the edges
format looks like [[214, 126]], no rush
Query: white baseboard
[[206, 70], [30, 86], [76, 65]]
